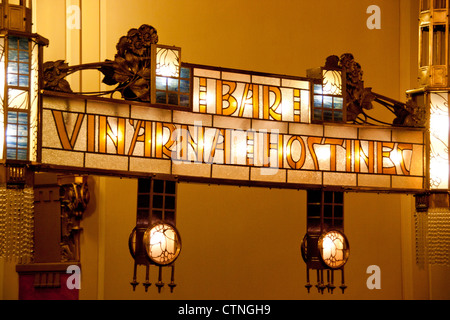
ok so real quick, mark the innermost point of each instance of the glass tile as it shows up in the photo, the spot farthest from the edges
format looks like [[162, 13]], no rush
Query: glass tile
[[23, 118], [317, 114], [327, 102], [328, 211], [328, 197], [12, 130], [13, 67], [22, 154], [161, 83], [185, 73], [24, 68], [173, 98], [338, 103], [13, 79], [338, 211], [173, 84], [22, 131], [158, 201], [161, 97], [12, 55], [169, 203], [13, 42], [22, 142], [11, 154], [318, 101], [184, 86], [158, 186], [170, 187], [11, 142], [23, 44], [143, 201], [318, 88], [184, 100], [24, 56], [144, 185], [23, 81], [327, 115], [338, 116], [12, 117]]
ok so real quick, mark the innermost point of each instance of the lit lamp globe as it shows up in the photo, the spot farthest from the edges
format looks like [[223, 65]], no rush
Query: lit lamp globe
[[162, 243], [334, 249]]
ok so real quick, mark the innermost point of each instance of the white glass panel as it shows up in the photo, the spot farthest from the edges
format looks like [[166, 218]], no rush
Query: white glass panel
[[34, 108], [18, 99], [439, 131], [332, 82], [2, 90], [167, 62]]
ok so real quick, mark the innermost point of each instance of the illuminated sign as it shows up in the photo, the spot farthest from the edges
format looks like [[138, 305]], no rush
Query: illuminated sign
[[117, 136]]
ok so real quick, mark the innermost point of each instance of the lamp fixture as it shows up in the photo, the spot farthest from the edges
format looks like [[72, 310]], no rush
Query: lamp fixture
[[325, 247], [155, 240]]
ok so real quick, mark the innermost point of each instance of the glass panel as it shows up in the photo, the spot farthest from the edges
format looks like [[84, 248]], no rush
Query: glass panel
[[11, 142], [317, 114], [439, 4], [23, 81], [167, 62], [170, 202], [338, 116], [23, 44], [24, 68], [11, 154], [318, 101], [158, 186], [161, 97], [173, 84], [13, 67], [185, 73], [22, 154], [157, 201], [338, 103], [13, 43], [23, 118], [318, 88], [13, 55], [23, 130], [184, 86], [184, 100], [12, 117], [328, 102], [173, 98], [161, 83], [439, 45], [327, 115], [425, 5], [424, 59], [22, 142], [170, 187], [143, 201], [24, 56]]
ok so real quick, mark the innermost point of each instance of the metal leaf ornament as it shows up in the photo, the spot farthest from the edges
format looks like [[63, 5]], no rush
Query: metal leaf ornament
[[130, 70]]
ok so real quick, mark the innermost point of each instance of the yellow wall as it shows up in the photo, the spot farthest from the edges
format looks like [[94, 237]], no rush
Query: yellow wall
[[239, 242]]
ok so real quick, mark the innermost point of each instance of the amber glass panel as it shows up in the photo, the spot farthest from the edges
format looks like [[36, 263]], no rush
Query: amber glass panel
[[424, 59], [439, 45]]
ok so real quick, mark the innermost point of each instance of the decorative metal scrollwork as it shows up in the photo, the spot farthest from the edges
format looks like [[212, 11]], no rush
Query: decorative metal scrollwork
[[130, 71], [360, 99]]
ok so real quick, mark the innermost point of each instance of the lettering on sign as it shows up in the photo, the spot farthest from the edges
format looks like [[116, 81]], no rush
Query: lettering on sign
[[196, 143]]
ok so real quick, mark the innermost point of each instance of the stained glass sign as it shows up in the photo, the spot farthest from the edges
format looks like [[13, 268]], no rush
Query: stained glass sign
[[117, 136]]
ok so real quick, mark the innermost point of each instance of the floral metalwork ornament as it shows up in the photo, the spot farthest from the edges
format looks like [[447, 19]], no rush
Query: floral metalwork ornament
[[130, 70]]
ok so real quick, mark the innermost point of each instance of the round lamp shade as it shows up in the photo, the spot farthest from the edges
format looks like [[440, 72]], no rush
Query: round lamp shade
[[162, 243], [334, 249]]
